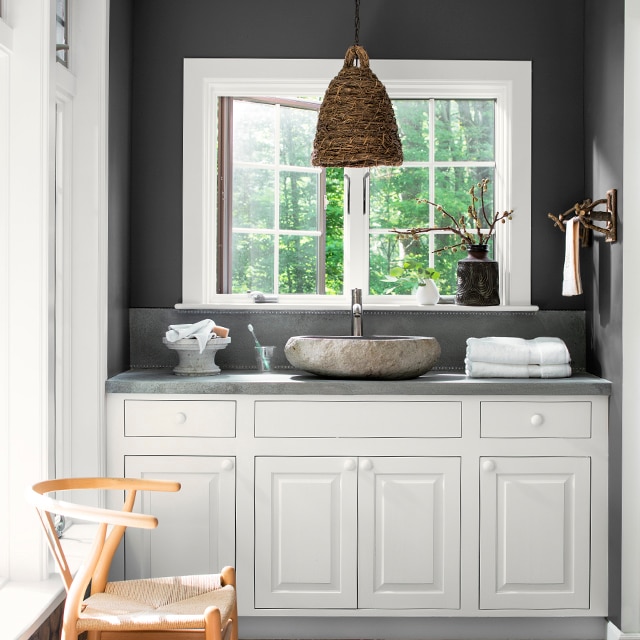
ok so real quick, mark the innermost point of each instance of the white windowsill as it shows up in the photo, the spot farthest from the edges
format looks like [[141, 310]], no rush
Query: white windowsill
[[342, 305], [24, 606]]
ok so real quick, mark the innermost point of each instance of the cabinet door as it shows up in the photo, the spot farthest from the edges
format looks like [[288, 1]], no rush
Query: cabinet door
[[306, 530], [196, 526], [534, 533], [409, 533]]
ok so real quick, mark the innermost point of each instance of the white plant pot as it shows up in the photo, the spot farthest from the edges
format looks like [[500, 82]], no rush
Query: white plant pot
[[428, 293]]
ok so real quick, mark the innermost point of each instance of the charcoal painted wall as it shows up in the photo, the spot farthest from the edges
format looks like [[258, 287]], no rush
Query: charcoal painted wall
[[604, 129], [119, 184], [165, 32]]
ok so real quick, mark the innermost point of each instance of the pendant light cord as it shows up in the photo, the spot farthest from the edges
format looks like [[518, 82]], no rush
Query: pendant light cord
[[357, 23]]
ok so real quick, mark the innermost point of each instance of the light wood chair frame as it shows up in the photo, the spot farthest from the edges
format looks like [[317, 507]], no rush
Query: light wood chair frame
[[94, 569]]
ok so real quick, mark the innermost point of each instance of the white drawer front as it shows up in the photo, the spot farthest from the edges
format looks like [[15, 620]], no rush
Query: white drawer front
[[535, 419], [196, 418], [358, 419]]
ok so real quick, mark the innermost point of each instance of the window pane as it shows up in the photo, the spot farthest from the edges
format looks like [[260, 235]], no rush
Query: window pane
[[387, 252], [253, 198], [446, 262], [412, 117], [452, 186], [464, 130], [62, 51], [394, 194], [299, 200], [297, 130], [252, 263], [253, 132], [334, 226], [298, 260]]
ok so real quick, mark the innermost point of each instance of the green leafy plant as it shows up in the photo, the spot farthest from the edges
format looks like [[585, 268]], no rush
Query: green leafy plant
[[404, 278], [474, 228]]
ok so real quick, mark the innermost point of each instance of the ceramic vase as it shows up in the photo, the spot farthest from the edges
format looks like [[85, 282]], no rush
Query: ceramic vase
[[427, 293], [477, 283]]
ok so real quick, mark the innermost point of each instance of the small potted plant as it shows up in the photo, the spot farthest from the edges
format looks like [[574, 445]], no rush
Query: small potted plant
[[413, 277]]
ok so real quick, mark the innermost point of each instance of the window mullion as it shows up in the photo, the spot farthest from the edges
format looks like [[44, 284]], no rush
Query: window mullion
[[432, 179], [356, 231], [276, 191]]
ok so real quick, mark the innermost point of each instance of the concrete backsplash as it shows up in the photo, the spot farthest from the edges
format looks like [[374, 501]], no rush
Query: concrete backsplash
[[275, 327]]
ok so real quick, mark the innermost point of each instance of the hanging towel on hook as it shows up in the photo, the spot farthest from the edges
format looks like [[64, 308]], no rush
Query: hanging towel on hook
[[571, 283]]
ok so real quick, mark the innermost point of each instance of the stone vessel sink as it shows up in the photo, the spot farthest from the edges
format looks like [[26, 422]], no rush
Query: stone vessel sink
[[368, 357]]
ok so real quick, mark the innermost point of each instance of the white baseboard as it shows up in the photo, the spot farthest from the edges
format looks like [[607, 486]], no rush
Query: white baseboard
[[613, 633]]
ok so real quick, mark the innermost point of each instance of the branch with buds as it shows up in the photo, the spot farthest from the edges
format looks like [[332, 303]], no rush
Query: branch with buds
[[478, 220]]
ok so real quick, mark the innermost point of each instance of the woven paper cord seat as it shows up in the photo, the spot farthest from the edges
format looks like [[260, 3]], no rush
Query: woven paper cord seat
[[156, 604]]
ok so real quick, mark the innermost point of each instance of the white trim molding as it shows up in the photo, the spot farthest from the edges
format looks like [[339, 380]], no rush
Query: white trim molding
[[205, 80], [613, 633], [630, 548]]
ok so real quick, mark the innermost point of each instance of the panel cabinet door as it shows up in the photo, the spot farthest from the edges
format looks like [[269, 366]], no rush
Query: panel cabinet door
[[306, 532], [196, 525], [409, 533], [534, 533]]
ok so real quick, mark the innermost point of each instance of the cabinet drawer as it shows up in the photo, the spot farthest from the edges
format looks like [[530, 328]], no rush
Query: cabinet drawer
[[349, 419], [535, 419], [197, 418]]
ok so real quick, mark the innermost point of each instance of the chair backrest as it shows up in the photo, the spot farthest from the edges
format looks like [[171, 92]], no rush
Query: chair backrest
[[95, 567]]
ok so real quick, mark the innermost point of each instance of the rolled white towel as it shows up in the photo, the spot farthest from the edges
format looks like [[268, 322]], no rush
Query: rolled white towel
[[505, 350], [201, 331], [497, 370]]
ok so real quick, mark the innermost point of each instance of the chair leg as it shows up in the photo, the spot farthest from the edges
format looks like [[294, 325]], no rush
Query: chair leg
[[69, 631], [212, 624]]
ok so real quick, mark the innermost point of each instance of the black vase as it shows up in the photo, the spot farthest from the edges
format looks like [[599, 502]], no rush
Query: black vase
[[477, 278]]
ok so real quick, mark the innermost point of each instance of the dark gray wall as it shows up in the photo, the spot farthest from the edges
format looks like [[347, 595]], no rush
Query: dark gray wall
[[119, 184], [604, 99], [547, 32]]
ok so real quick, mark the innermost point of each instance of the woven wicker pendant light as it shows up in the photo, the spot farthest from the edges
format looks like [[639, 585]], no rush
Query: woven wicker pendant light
[[356, 123]]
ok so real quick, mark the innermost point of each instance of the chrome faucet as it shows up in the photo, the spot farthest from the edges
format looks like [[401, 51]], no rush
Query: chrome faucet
[[356, 312]]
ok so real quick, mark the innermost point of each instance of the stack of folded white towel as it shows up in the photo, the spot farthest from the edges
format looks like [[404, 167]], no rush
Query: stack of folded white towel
[[517, 358]]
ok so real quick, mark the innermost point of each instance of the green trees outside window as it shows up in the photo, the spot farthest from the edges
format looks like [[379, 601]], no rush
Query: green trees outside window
[[288, 218]]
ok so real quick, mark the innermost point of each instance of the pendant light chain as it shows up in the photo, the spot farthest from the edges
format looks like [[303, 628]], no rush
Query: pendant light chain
[[357, 23]]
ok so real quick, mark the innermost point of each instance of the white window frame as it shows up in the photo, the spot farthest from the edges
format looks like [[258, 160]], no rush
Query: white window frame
[[27, 65], [207, 79]]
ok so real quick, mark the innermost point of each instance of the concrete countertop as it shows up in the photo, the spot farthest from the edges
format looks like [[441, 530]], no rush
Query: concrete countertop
[[288, 382]]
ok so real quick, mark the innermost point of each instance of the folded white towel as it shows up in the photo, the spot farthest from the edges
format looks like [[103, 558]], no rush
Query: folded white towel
[[201, 331], [571, 281], [496, 370], [503, 350]]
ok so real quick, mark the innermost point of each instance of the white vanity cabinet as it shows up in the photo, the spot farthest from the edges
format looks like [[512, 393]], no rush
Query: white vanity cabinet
[[346, 532], [165, 439], [198, 523], [540, 510], [437, 500], [535, 532]]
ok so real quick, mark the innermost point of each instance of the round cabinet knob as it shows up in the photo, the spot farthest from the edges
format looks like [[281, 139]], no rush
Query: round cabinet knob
[[489, 465], [181, 418], [227, 464], [537, 419], [366, 464], [349, 464]]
